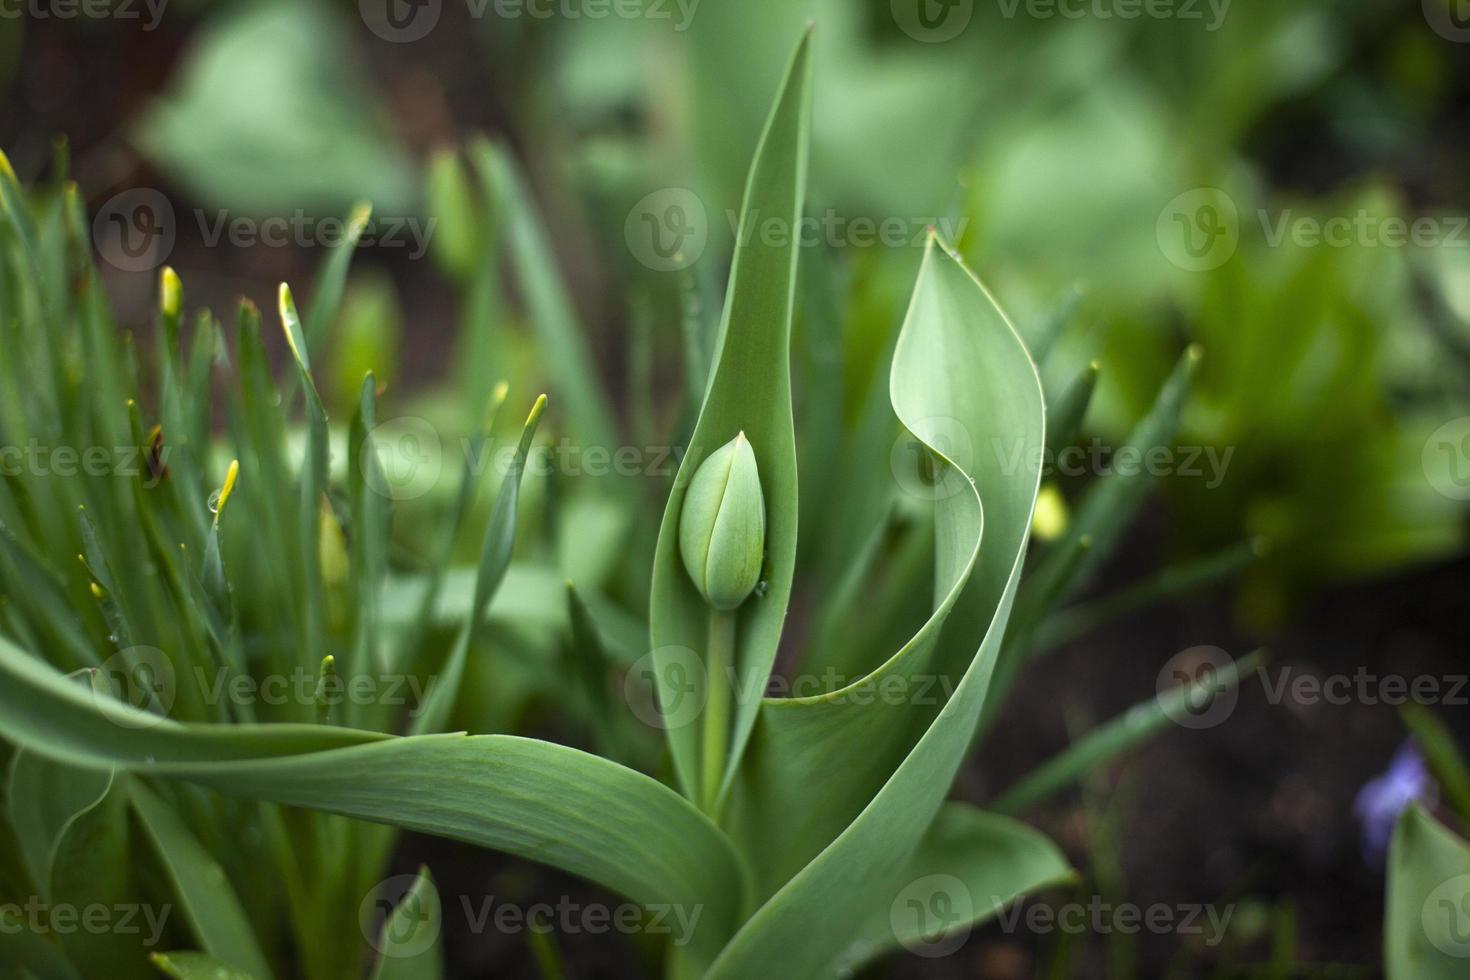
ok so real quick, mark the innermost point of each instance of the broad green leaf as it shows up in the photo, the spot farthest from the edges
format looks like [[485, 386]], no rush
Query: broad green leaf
[[534, 799], [198, 966], [749, 391], [408, 945], [44, 799], [839, 789], [1426, 919], [969, 866], [91, 867], [205, 895], [1126, 732]]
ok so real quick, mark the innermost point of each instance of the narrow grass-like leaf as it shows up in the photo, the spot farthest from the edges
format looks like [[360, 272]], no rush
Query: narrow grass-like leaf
[[1123, 734], [207, 899], [549, 309], [327, 296], [409, 944], [750, 392], [534, 799], [1443, 757], [495, 555]]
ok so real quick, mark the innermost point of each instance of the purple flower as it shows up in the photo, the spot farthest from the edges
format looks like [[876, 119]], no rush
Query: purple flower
[[1384, 797]]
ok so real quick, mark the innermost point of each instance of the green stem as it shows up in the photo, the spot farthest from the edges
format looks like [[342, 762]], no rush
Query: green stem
[[720, 658]]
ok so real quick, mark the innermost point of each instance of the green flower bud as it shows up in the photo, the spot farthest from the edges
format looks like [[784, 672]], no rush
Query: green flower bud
[[722, 529]]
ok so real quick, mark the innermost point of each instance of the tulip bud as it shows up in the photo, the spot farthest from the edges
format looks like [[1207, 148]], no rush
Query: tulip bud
[[722, 528]]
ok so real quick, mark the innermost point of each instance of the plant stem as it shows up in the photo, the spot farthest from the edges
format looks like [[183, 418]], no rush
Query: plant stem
[[719, 659]]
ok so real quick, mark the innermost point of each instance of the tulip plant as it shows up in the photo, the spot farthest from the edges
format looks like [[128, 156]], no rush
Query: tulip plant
[[804, 835]]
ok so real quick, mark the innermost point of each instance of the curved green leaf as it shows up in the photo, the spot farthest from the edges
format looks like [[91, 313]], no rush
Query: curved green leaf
[[534, 799], [963, 383], [44, 799], [977, 863], [198, 966], [749, 391]]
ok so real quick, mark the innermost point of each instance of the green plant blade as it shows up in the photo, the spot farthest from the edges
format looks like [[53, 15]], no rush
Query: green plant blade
[[549, 309], [1425, 918], [495, 555], [538, 800], [749, 391], [1113, 738], [207, 900], [25, 954], [327, 296], [44, 799], [874, 771], [979, 862], [409, 943], [198, 966]]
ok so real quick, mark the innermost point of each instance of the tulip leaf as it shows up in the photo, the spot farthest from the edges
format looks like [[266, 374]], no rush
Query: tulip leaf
[[1426, 915], [839, 789], [199, 966], [534, 799], [969, 865], [750, 391]]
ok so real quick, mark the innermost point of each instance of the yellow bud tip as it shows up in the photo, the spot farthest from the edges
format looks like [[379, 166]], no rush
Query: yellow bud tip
[[536, 410], [357, 220], [97, 590], [497, 397], [228, 487], [170, 291], [1094, 366], [6, 168], [329, 663], [1194, 352]]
